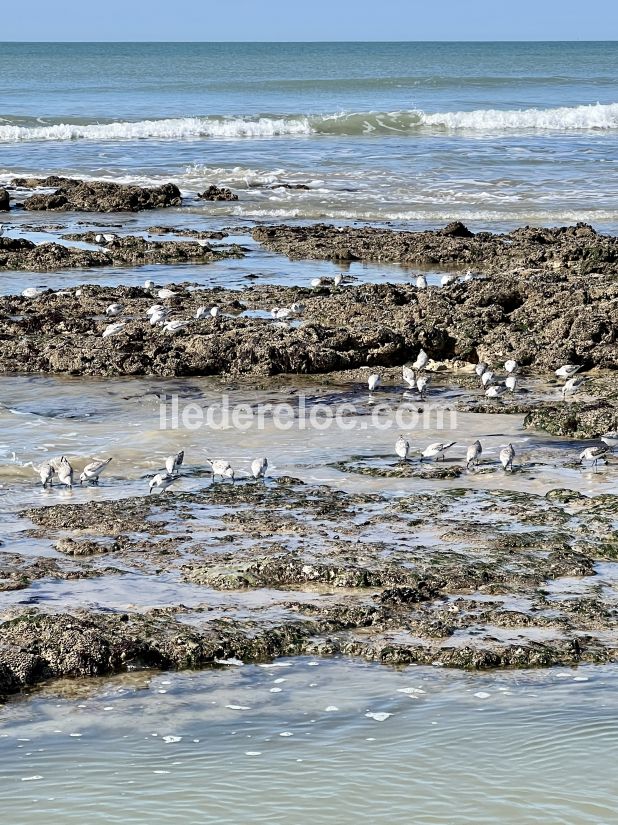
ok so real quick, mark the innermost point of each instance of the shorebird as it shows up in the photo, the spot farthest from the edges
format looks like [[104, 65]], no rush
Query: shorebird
[[173, 462], [445, 280], [338, 279], [166, 293], [511, 382], [480, 368], [149, 284], [201, 313], [316, 282], [409, 376], [568, 370], [572, 386], [99, 238], [506, 457], [161, 481], [402, 448], [283, 313], [511, 366], [297, 308], [113, 310], [422, 382], [159, 316], [373, 382], [113, 329], [495, 391], [109, 237], [593, 454], [610, 439], [92, 471], [46, 474], [487, 378], [473, 454], [436, 450], [422, 359], [259, 467], [468, 276], [214, 311], [421, 282], [62, 468], [32, 292], [221, 467], [172, 327]]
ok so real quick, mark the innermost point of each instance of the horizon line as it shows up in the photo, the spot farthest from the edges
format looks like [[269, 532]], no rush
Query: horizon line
[[294, 42]]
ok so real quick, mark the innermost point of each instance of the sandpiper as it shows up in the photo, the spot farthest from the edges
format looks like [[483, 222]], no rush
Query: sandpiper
[[161, 481], [422, 359], [507, 454], [610, 439], [373, 381], [409, 376], [421, 282], [92, 471], [568, 370], [572, 386], [511, 366], [113, 310], [173, 462], [402, 448], [593, 454], [113, 329], [473, 454], [437, 449], [259, 467], [221, 468]]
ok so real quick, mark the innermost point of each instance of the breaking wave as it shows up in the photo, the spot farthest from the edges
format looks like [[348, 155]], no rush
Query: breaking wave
[[591, 117]]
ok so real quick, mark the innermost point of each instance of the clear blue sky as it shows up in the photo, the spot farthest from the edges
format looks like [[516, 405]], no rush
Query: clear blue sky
[[205, 20]]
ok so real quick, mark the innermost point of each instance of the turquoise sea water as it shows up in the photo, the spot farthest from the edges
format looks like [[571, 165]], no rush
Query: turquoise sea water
[[493, 133]]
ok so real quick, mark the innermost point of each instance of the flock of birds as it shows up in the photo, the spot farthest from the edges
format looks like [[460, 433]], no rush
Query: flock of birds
[[62, 469], [417, 379]]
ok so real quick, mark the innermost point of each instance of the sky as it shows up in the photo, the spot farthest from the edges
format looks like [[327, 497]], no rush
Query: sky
[[295, 20]]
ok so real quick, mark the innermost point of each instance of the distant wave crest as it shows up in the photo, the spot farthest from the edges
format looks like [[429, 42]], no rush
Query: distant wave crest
[[598, 116]]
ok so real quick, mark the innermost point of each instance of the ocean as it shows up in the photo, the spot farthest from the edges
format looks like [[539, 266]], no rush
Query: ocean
[[494, 134]]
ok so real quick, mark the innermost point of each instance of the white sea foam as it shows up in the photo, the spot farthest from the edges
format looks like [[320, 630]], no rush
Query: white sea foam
[[595, 116]]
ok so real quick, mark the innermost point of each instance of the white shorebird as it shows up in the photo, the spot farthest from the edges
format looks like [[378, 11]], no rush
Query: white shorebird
[[480, 368], [283, 313], [173, 462], [99, 238], [495, 391], [316, 282], [511, 366], [568, 370], [113, 329], [161, 481], [473, 454], [166, 293], [373, 381], [422, 382], [46, 474], [214, 311], [409, 376], [221, 468], [156, 308], [63, 469], [113, 310], [572, 386], [610, 439], [297, 308], [422, 359], [445, 280], [159, 316], [511, 383], [593, 454], [92, 471], [487, 378], [437, 449], [201, 312], [32, 292], [402, 448], [468, 276], [506, 457], [109, 237], [259, 467], [172, 327], [421, 282], [149, 284], [338, 279]]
